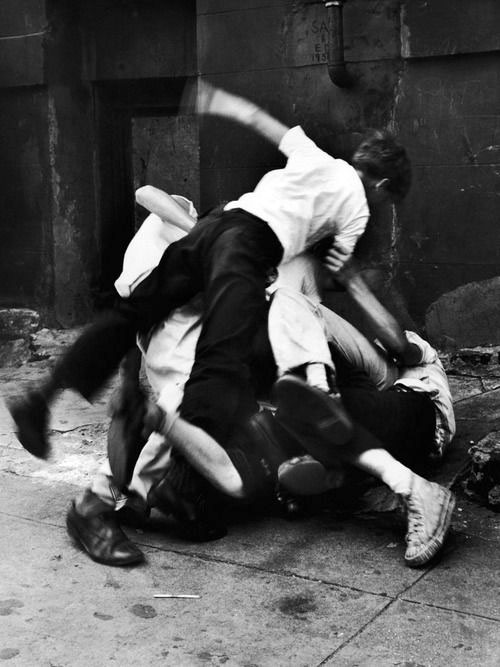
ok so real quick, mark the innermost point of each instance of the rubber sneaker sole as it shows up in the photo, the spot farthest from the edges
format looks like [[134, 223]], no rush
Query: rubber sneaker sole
[[419, 557], [318, 420], [304, 476], [299, 403]]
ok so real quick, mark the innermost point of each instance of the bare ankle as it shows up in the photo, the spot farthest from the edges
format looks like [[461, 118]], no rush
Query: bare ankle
[[316, 376]]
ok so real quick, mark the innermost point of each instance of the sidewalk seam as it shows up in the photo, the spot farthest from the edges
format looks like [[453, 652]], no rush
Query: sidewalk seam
[[455, 611]]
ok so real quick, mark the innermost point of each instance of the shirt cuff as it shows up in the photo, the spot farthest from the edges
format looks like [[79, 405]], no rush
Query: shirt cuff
[[295, 137]]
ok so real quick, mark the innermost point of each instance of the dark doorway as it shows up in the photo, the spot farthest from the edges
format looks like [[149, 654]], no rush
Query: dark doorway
[[142, 139]]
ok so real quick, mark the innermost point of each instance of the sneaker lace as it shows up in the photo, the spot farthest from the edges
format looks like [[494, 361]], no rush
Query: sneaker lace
[[415, 516]]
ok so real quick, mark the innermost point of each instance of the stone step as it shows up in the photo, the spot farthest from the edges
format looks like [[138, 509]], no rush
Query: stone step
[[22, 340]]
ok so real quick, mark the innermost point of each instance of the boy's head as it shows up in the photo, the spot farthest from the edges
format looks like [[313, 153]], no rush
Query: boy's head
[[384, 167]]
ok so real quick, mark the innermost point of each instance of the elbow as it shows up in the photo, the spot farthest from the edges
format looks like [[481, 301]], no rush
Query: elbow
[[143, 193], [232, 485], [224, 477]]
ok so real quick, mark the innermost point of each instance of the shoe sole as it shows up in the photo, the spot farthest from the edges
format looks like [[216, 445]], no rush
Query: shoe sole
[[75, 535], [276, 445], [300, 403], [426, 554], [317, 420], [305, 477]]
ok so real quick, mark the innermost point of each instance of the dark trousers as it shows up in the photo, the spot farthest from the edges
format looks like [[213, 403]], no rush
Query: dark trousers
[[399, 420], [228, 260]]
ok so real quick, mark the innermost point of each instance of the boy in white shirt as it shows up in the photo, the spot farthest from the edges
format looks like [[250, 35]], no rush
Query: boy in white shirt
[[228, 259]]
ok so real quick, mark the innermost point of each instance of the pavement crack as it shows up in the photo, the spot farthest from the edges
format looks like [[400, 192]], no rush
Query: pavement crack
[[475, 396], [431, 605], [15, 473], [60, 431], [256, 568], [347, 641]]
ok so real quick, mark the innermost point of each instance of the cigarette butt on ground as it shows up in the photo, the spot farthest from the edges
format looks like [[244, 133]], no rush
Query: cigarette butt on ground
[[174, 595]]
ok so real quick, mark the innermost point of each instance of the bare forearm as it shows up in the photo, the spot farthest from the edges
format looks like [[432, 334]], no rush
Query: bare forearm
[[343, 268], [163, 205], [267, 126], [207, 456], [217, 102], [383, 324]]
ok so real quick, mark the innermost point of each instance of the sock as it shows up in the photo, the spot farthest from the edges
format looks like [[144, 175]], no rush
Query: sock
[[398, 478], [89, 504], [316, 376], [380, 464]]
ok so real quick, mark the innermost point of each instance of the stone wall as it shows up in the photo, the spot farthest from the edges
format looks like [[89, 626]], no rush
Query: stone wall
[[88, 89], [429, 71], [73, 76]]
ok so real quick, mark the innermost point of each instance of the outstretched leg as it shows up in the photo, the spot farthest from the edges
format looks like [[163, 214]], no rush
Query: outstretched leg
[[219, 393], [85, 366], [429, 506]]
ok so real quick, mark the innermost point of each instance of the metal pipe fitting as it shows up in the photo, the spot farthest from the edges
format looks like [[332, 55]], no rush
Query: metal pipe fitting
[[337, 68]]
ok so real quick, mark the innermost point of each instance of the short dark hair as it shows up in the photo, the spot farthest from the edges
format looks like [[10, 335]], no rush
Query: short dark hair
[[380, 156]]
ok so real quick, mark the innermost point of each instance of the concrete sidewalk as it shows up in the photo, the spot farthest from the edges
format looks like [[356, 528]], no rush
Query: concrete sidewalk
[[328, 589]]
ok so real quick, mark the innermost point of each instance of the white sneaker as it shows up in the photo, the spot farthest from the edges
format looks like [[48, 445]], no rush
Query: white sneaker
[[429, 509]]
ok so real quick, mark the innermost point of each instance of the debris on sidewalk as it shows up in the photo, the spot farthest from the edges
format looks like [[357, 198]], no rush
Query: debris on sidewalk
[[177, 596], [483, 480], [475, 356]]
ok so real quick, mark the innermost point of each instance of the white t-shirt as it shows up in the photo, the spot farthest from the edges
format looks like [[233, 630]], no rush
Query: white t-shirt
[[313, 196], [145, 250], [430, 378]]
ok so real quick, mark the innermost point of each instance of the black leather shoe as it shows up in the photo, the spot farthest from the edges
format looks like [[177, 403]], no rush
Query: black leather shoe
[[102, 538], [31, 415], [135, 515]]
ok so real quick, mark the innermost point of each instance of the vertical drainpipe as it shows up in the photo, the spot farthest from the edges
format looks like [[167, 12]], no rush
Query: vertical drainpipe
[[336, 63]]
